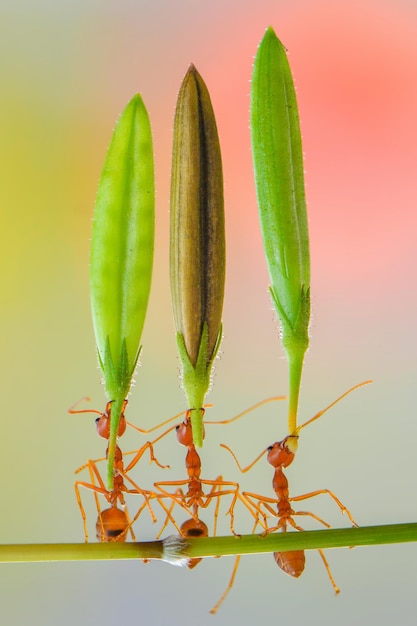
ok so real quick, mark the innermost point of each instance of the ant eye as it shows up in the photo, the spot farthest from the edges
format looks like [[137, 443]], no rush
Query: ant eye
[[270, 448], [177, 427], [97, 419]]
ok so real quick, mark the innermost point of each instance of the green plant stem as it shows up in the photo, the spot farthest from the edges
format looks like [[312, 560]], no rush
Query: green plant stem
[[52, 552], [114, 425], [295, 365], [212, 546]]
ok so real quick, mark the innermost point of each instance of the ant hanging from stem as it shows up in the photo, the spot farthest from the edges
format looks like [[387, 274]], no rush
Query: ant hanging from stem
[[195, 498], [280, 455], [113, 523]]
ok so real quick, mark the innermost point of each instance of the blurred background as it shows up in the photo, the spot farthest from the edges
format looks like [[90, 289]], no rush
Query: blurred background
[[67, 71]]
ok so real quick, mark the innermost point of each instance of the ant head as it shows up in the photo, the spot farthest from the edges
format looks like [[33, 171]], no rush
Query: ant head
[[185, 433], [282, 453], [292, 563], [103, 422], [112, 525], [193, 528]]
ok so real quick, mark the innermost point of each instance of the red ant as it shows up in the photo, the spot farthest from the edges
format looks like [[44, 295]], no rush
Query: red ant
[[195, 498], [280, 455], [114, 523]]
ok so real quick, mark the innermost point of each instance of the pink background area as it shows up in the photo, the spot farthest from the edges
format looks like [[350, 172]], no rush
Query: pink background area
[[67, 70]]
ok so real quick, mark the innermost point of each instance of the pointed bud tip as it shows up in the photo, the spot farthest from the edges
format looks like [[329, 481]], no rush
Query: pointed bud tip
[[270, 36], [192, 73], [136, 100]]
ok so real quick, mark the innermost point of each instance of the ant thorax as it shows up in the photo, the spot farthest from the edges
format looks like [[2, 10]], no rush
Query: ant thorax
[[103, 422]]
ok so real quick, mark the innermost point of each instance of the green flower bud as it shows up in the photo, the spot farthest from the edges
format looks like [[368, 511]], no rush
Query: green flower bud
[[122, 255], [279, 178]]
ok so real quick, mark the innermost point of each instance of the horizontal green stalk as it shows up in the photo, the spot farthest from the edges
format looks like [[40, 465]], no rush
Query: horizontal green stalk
[[306, 540], [122, 256], [279, 178], [213, 546], [197, 241]]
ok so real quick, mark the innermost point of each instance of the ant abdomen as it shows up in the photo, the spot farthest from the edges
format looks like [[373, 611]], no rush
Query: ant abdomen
[[292, 562], [193, 528], [112, 525]]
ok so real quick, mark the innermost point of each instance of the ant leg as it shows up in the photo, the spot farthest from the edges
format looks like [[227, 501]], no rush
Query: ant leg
[[229, 586], [314, 516], [90, 462], [259, 511], [169, 517], [181, 501], [152, 457], [216, 510], [96, 488], [231, 513], [139, 453], [130, 522], [82, 511], [73, 411], [92, 468], [249, 410], [329, 573], [217, 492], [293, 524], [238, 496], [137, 490], [323, 558], [332, 495], [151, 430], [177, 498], [329, 406], [248, 467], [133, 520], [281, 524]]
